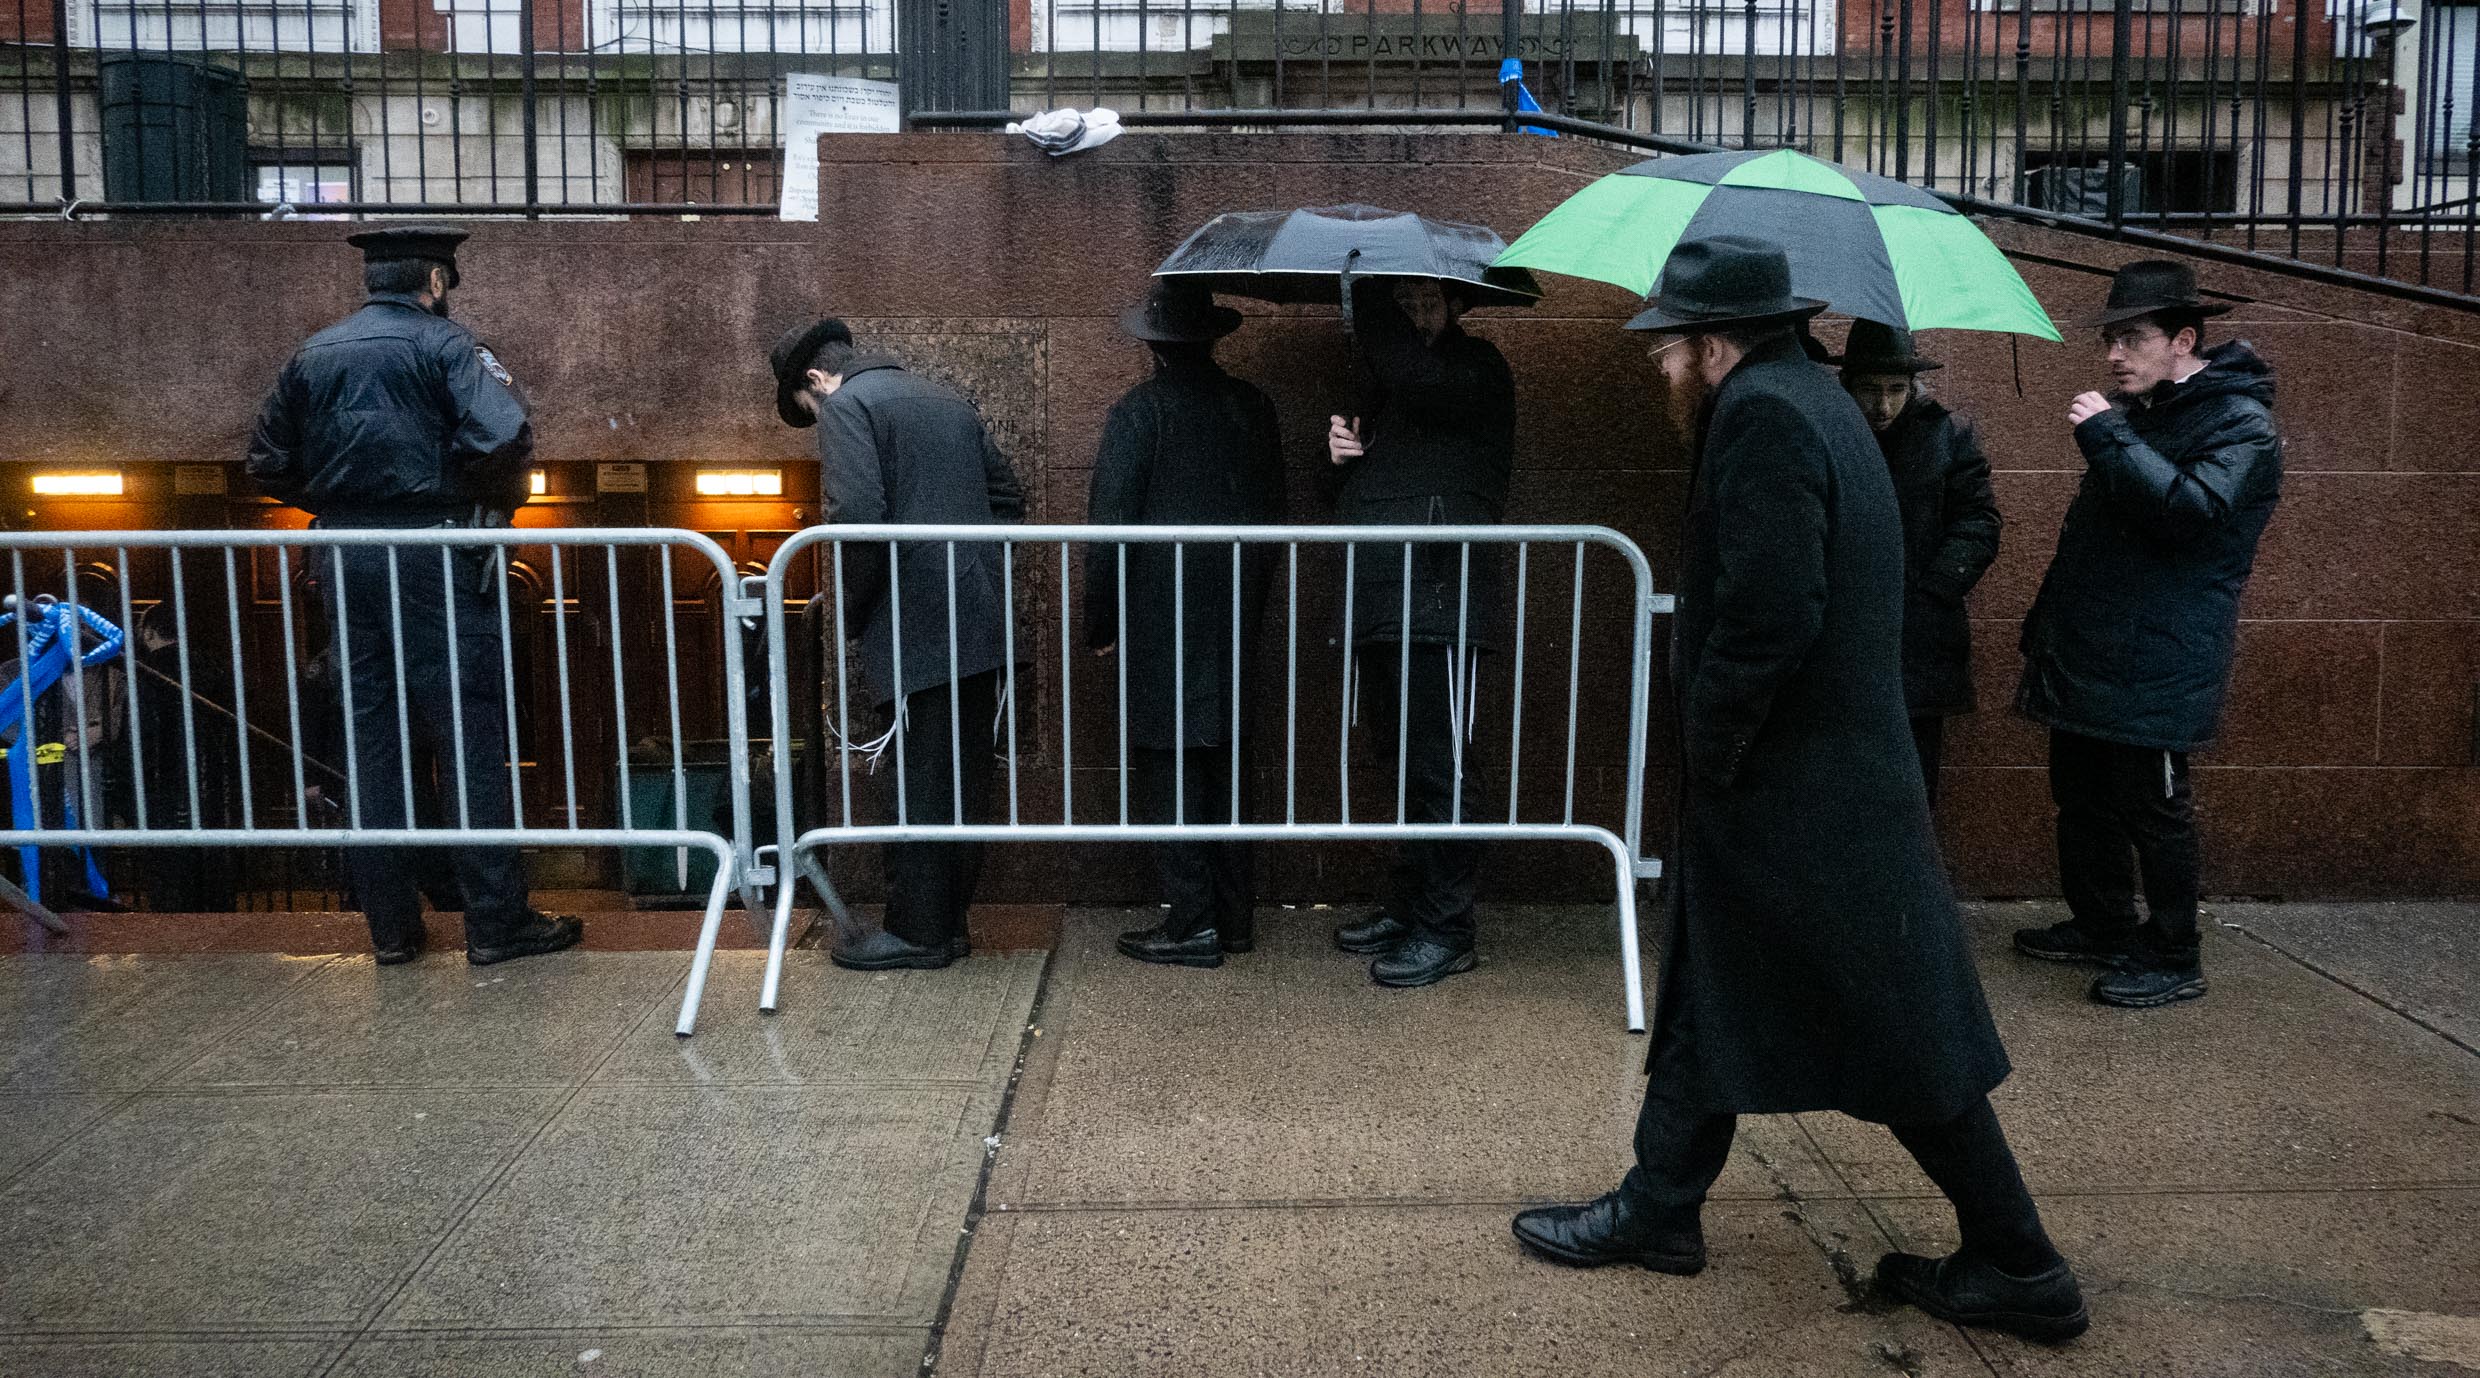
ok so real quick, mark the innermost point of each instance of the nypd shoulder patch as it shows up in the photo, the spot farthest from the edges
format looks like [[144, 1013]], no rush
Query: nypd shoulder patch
[[491, 365]]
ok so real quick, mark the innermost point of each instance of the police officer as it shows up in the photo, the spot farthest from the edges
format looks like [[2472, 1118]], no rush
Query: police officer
[[398, 418]]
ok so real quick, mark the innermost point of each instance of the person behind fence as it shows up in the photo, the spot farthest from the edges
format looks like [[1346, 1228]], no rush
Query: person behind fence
[[2128, 646], [397, 418], [1189, 446], [897, 448], [1950, 524], [1438, 447], [1815, 959]]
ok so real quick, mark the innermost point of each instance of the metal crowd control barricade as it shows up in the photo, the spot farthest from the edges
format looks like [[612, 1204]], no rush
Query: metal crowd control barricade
[[252, 726], [1539, 553]]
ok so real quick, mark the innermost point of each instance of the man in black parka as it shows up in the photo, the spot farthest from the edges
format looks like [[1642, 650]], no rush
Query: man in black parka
[[1189, 446], [398, 418], [2128, 646], [1950, 525], [1815, 958], [1438, 448], [896, 448]]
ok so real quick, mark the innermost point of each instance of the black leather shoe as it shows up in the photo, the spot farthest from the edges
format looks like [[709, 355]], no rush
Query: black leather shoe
[[1960, 1290], [1159, 945], [881, 950], [1236, 938], [2073, 942], [1598, 1233], [959, 948], [538, 935], [2150, 983], [398, 949], [1420, 962], [1380, 932]]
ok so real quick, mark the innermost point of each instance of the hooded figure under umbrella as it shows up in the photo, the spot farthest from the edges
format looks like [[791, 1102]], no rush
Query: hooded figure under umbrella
[[1189, 446]]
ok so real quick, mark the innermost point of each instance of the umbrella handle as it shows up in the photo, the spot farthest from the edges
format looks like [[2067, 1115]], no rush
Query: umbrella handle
[[1348, 260]]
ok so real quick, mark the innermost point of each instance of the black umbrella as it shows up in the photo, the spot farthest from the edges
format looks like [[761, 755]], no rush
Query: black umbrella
[[1311, 255]]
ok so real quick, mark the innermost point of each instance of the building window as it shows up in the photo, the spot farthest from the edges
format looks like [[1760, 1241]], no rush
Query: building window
[[2450, 87], [836, 27], [242, 26], [286, 180], [751, 177]]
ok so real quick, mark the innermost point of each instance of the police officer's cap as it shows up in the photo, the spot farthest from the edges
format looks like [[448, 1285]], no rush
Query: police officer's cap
[[436, 243]]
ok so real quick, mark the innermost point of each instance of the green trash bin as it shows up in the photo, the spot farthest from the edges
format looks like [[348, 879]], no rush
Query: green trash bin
[[656, 872]]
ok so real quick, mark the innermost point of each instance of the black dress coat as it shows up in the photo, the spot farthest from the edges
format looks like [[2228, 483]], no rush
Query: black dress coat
[[393, 417], [1950, 536], [1815, 959], [894, 447], [2131, 637], [1190, 446], [1440, 449]]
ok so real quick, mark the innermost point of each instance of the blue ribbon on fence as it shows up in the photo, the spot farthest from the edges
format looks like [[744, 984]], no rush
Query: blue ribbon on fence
[[1512, 69]]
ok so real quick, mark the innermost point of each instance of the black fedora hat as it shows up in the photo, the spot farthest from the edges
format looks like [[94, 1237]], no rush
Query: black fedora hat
[[1172, 314], [2150, 285], [1723, 281], [435, 243], [789, 360], [1875, 347]]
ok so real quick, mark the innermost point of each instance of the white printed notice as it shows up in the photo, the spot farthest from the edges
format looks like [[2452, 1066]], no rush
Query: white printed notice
[[815, 105]]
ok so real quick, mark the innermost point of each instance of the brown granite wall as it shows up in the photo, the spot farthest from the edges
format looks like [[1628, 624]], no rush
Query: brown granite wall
[[2349, 763]]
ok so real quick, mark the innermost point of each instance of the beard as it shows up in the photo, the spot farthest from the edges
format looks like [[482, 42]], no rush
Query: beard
[[439, 304]]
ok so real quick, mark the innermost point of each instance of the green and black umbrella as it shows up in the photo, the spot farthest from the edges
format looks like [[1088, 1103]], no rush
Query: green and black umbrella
[[1869, 246]]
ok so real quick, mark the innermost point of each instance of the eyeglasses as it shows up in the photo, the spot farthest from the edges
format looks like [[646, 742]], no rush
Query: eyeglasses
[[1658, 353]]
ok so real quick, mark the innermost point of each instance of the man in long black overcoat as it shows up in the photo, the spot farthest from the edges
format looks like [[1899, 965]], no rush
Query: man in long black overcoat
[[1189, 446], [1815, 959]]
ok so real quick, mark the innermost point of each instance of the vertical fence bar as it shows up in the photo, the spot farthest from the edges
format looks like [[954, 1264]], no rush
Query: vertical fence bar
[[671, 673], [1121, 670], [619, 685], [1234, 687], [396, 657], [1515, 732], [241, 701], [1067, 697], [895, 642], [1291, 687], [1007, 679], [508, 686], [2122, 37], [955, 698], [456, 684], [1575, 660], [344, 684], [25, 746], [843, 695], [189, 695], [77, 682], [1403, 690], [63, 108], [1179, 683], [568, 711], [1457, 729], [292, 686], [1344, 766]]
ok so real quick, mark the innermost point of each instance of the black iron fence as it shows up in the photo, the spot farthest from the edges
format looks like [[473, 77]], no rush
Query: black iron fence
[[2334, 131]]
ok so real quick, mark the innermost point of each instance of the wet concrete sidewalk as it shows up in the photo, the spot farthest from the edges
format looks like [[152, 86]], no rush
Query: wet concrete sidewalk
[[239, 1164]]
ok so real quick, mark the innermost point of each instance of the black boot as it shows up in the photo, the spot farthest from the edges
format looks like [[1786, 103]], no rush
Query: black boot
[[1420, 962], [397, 948], [2074, 942], [540, 934], [1602, 1232], [2153, 980], [1380, 932], [884, 951], [1161, 946], [1962, 1290]]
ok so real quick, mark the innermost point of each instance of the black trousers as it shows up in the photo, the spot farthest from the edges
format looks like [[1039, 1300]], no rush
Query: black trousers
[[387, 880], [1929, 738], [930, 884], [1434, 881], [2125, 811], [1207, 884], [1680, 1150]]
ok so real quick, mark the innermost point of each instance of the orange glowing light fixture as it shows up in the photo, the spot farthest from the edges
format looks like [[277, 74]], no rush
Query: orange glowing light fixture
[[104, 483], [740, 483], [539, 482]]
